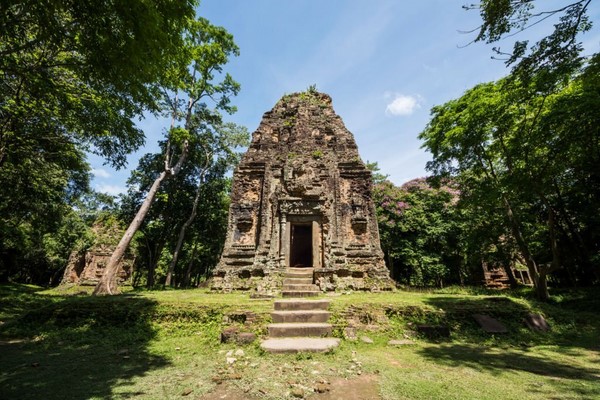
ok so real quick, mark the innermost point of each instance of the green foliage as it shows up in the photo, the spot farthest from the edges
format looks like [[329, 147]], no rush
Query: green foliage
[[524, 163], [37, 249], [311, 96], [73, 78], [554, 56], [196, 95], [289, 122], [317, 154], [376, 174], [220, 142], [420, 230]]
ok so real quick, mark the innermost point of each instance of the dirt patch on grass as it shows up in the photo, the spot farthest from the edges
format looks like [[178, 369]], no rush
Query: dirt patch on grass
[[363, 387], [227, 392]]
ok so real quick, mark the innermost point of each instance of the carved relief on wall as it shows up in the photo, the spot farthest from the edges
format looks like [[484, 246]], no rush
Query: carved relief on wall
[[244, 224], [300, 179], [354, 213], [245, 213], [358, 218]]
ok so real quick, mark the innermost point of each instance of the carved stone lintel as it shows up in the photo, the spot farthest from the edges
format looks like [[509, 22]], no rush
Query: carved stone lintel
[[300, 207]]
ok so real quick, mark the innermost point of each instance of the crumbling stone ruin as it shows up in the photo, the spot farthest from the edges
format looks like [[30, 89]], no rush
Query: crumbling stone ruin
[[86, 267], [302, 198]]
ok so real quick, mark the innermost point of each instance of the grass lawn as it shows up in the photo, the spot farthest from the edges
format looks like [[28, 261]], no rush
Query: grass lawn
[[62, 344]]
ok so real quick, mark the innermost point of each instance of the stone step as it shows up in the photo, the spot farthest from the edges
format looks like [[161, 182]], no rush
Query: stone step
[[299, 329], [305, 270], [298, 274], [300, 344], [300, 304], [300, 316], [294, 288], [297, 281], [300, 293]]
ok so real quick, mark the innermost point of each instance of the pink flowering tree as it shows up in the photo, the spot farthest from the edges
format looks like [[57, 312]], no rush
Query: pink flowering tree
[[420, 232]]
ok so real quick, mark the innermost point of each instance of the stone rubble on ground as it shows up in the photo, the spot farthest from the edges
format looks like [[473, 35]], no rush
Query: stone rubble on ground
[[366, 339], [489, 324], [536, 322], [239, 353]]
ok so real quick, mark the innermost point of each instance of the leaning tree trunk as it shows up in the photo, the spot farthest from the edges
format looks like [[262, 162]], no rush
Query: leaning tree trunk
[[187, 224], [182, 232], [539, 280], [108, 282], [188, 272]]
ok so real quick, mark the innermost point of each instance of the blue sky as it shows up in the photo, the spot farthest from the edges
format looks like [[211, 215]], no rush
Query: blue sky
[[385, 63]]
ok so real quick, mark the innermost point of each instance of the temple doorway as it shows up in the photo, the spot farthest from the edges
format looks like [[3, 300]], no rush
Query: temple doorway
[[301, 251]]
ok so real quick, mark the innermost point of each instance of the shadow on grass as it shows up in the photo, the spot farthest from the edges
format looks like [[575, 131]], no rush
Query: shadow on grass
[[74, 347], [569, 327], [562, 376]]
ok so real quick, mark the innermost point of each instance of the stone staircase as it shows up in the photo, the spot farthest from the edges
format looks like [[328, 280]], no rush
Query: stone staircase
[[299, 324], [298, 282]]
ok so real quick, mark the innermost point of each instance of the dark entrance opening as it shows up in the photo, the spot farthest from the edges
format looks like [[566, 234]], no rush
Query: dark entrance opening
[[301, 246]]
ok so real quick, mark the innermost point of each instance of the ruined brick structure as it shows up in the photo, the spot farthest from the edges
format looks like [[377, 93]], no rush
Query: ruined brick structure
[[87, 267], [302, 198]]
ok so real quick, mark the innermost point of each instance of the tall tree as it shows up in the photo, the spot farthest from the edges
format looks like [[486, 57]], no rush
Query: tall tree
[[74, 76], [512, 148], [219, 146], [194, 81]]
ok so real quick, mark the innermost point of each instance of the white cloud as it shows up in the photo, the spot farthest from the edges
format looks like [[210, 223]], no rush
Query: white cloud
[[100, 173], [113, 190], [402, 104]]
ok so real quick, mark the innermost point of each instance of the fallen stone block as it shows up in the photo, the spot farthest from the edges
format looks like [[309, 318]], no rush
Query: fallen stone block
[[366, 339], [246, 337], [229, 335], [233, 335], [489, 324], [536, 322]]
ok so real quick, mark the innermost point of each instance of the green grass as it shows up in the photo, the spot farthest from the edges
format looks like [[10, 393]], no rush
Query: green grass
[[63, 344]]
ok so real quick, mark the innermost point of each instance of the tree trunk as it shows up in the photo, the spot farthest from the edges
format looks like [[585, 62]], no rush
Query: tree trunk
[[188, 272], [187, 223], [182, 232], [545, 270], [151, 275], [541, 289], [539, 279], [108, 282]]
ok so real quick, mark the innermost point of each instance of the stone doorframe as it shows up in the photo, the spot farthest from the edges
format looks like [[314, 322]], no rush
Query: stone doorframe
[[317, 240], [293, 211]]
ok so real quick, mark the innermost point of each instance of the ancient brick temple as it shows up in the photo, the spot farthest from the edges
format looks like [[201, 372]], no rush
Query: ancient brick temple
[[302, 198]]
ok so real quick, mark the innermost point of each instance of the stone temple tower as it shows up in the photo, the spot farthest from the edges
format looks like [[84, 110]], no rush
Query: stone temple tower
[[302, 198]]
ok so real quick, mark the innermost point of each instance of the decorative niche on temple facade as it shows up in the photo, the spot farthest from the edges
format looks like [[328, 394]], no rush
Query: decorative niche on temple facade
[[302, 198]]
